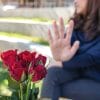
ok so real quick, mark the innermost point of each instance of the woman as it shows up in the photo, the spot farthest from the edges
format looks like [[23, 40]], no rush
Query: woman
[[78, 52]]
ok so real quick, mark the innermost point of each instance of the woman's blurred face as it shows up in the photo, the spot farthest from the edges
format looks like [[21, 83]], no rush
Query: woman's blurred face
[[80, 6]]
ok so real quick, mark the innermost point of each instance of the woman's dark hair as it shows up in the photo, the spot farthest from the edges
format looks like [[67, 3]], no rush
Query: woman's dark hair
[[90, 23]]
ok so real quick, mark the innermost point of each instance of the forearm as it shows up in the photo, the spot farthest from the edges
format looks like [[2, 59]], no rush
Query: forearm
[[79, 61], [55, 63]]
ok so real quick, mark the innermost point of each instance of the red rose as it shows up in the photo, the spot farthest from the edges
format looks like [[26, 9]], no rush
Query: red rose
[[33, 54], [24, 63], [38, 73], [33, 62], [40, 60], [8, 57], [17, 72], [25, 55], [25, 58]]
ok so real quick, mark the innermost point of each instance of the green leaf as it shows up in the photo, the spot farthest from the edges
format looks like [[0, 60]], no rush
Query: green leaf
[[3, 73], [23, 77], [34, 94], [12, 84], [30, 96], [15, 96]]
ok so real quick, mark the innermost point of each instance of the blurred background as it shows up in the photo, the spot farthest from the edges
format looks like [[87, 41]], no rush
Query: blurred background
[[24, 25], [29, 20], [37, 3]]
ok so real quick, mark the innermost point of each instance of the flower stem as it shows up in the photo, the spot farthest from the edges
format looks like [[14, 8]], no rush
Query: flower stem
[[33, 85], [21, 92], [28, 90], [33, 88]]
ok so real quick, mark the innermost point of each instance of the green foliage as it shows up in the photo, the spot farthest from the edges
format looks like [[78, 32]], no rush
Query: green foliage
[[13, 86], [39, 19], [22, 36], [4, 80]]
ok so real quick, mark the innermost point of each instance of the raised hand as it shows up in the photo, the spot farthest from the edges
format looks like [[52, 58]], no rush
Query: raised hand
[[61, 46]]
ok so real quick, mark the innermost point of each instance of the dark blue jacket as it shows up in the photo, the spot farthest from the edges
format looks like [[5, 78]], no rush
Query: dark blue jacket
[[87, 57]]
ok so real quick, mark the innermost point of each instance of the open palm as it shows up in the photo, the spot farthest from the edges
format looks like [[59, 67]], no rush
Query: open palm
[[61, 46]]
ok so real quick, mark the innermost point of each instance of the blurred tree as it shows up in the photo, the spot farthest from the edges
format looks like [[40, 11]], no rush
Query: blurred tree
[[37, 3], [22, 2], [3, 2], [60, 3]]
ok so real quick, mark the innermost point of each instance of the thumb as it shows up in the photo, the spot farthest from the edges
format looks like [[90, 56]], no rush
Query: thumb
[[75, 47]]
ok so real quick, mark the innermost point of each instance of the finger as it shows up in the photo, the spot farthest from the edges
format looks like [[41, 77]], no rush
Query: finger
[[56, 31], [61, 27], [75, 47], [69, 31], [50, 39]]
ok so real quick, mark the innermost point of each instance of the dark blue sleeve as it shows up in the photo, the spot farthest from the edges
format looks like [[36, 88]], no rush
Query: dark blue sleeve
[[89, 58]]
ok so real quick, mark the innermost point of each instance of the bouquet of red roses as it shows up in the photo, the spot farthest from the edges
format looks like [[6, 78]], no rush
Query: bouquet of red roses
[[25, 68]]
